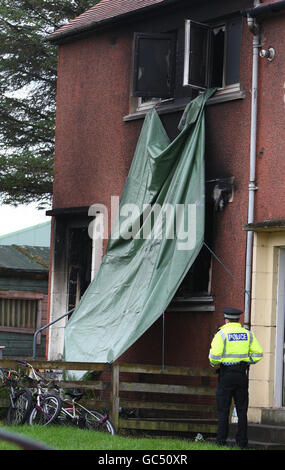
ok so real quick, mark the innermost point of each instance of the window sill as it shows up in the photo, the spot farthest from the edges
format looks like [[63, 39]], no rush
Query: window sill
[[162, 108], [227, 94], [8, 329], [191, 304], [179, 104]]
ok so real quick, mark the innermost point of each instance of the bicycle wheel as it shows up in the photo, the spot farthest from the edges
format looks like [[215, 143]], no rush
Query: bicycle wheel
[[98, 422], [19, 413], [47, 412]]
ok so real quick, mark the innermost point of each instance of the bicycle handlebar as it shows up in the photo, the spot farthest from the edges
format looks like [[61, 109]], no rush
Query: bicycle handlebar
[[23, 363], [37, 376], [35, 372]]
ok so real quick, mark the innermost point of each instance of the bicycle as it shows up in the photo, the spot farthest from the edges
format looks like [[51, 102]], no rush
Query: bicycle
[[75, 414], [46, 406], [20, 398]]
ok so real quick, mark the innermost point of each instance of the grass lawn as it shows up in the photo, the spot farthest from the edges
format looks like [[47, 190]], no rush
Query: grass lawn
[[69, 438]]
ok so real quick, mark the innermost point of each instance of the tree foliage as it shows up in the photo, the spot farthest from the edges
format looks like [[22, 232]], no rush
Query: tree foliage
[[28, 68]]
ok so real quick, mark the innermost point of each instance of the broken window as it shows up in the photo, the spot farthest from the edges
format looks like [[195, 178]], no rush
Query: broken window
[[174, 65], [212, 54], [154, 65], [197, 282]]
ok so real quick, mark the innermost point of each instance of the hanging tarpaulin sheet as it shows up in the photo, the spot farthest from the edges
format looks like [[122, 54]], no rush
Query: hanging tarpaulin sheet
[[157, 236]]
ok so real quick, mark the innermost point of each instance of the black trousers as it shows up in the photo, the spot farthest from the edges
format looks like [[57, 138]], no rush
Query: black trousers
[[232, 384]]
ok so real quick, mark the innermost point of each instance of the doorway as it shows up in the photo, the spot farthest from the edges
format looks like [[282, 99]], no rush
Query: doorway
[[79, 256]]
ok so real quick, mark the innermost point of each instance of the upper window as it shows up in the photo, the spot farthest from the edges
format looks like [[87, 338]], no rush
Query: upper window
[[154, 65], [173, 65], [212, 54]]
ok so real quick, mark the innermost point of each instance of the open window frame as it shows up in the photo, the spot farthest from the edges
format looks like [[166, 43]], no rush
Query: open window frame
[[209, 47], [227, 32]]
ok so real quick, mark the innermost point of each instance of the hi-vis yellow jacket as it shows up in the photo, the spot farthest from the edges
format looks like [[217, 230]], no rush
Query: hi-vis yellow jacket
[[232, 344]]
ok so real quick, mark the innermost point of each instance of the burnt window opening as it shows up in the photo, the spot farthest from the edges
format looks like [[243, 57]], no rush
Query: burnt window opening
[[79, 264], [197, 282], [178, 64], [154, 65], [218, 48], [212, 54]]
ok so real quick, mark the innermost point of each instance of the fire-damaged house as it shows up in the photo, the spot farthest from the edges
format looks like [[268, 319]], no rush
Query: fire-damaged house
[[170, 102]]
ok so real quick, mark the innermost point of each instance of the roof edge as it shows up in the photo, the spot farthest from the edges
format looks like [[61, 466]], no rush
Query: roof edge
[[22, 230], [68, 211], [67, 35], [263, 10]]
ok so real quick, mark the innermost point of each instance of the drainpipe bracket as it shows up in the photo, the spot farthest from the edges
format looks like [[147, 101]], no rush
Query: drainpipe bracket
[[253, 25], [252, 187]]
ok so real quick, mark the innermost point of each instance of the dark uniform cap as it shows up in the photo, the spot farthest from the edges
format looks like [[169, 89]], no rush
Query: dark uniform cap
[[231, 313]]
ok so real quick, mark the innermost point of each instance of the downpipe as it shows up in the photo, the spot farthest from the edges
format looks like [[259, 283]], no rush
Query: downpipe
[[254, 28]]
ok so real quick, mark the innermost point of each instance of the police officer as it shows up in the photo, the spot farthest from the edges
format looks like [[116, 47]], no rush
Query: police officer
[[233, 349]]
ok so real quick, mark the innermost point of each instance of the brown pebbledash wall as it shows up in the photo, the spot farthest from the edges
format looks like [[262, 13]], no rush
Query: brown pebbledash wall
[[94, 149]]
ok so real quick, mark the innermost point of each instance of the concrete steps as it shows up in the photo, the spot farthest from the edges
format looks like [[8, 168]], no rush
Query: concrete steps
[[273, 416], [262, 436]]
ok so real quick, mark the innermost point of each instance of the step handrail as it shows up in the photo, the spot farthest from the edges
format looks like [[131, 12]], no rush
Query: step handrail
[[47, 326]]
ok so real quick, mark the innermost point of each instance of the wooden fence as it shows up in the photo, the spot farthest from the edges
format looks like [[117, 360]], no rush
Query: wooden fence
[[142, 397]]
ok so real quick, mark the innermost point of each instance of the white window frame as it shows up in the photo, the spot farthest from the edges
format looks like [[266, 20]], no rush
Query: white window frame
[[224, 90]]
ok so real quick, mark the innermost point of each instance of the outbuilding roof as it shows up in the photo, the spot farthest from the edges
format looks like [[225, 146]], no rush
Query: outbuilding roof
[[36, 235], [24, 258], [101, 13]]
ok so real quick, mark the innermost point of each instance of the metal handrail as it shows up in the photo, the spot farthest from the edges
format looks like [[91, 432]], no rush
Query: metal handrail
[[47, 326]]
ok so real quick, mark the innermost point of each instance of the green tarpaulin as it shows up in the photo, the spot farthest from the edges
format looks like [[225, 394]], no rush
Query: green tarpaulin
[[157, 236]]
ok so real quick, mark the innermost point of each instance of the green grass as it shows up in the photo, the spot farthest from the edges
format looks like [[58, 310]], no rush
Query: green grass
[[69, 438]]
